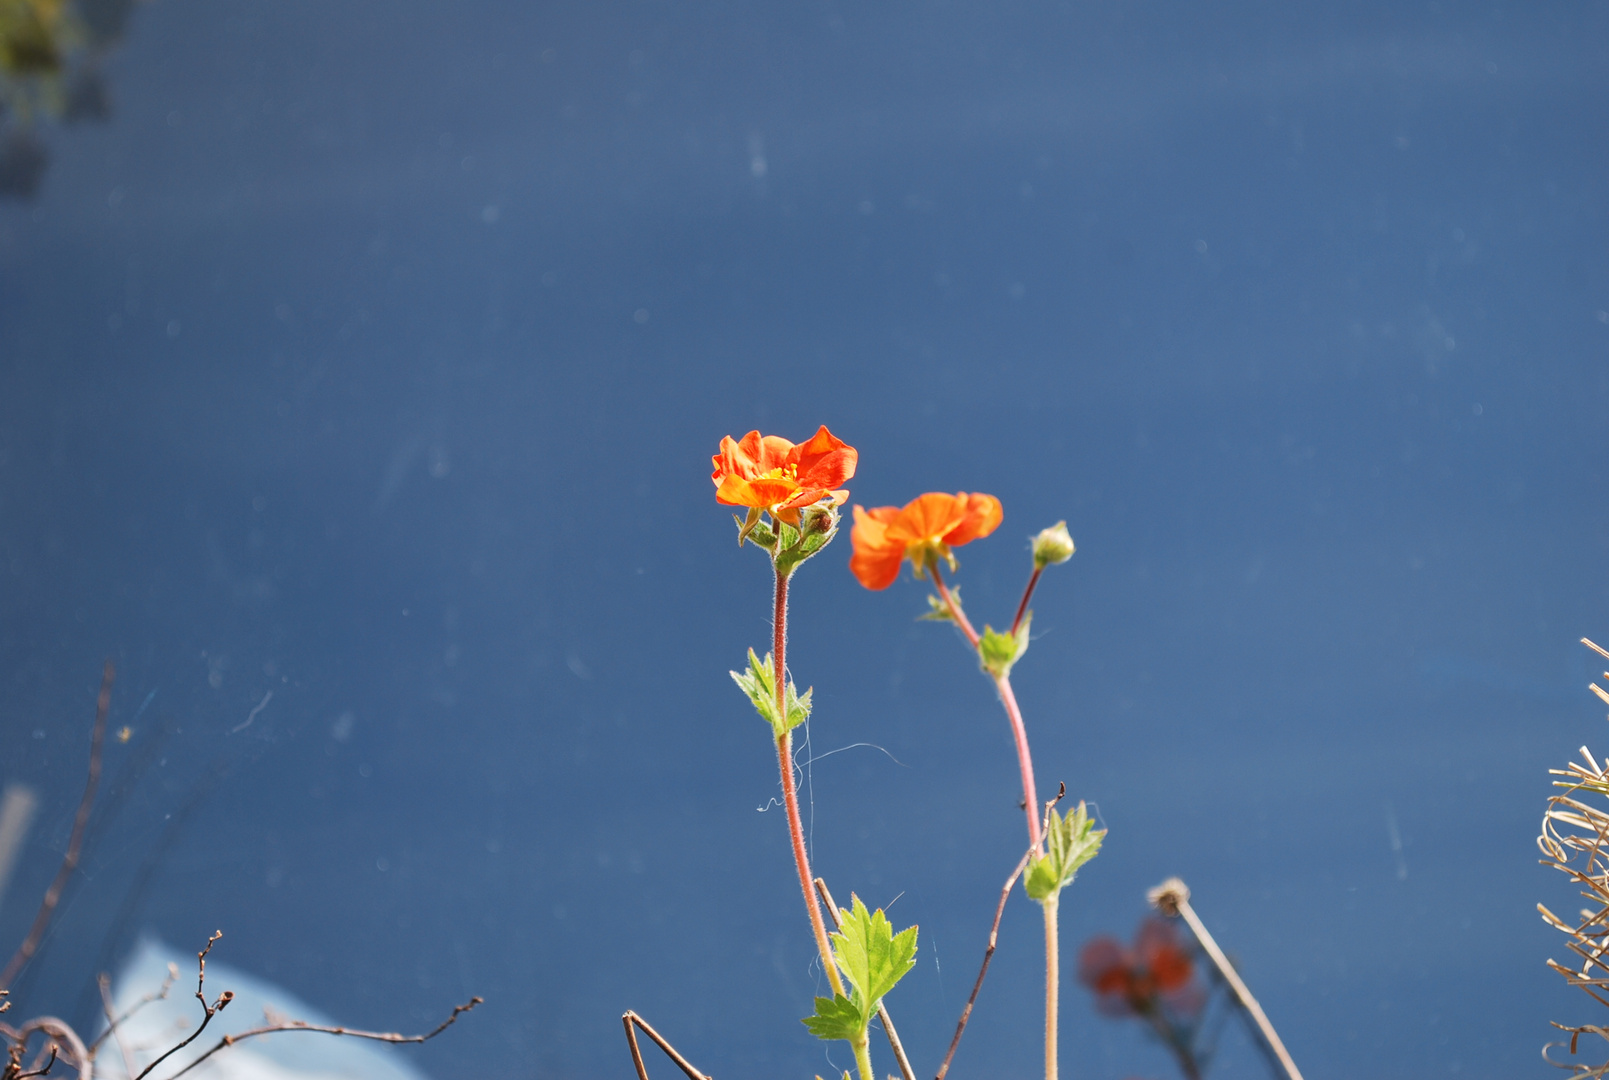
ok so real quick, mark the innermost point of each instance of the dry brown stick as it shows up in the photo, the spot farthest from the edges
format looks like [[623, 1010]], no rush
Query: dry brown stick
[[208, 1011], [322, 1029], [64, 1038], [41, 1071], [1172, 897], [112, 1025], [988, 954], [69, 862], [628, 1018], [882, 1011], [104, 983]]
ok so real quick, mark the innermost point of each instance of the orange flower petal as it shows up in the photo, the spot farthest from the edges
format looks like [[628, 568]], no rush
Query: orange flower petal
[[983, 514], [871, 528], [928, 517], [732, 490], [877, 559], [738, 457], [771, 491], [775, 453], [876, 569], [825, 461]]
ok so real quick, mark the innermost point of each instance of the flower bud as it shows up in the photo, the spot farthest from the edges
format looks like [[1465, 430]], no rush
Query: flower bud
[[1052, 545]]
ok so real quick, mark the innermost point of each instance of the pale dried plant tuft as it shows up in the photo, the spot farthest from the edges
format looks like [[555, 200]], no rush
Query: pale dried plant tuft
[[1575, 841]]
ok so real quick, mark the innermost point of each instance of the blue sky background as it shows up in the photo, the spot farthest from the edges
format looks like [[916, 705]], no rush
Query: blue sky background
[[372, 356]]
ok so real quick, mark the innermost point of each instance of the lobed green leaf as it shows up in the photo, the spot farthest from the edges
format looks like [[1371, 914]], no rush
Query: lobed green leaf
[[1070, 842], [759, 683], [872, 957], [836, 1017]]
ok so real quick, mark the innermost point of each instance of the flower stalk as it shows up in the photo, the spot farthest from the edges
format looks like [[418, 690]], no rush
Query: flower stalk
[[1008, 701], [1050, 906], [923, 532], [790, 793]]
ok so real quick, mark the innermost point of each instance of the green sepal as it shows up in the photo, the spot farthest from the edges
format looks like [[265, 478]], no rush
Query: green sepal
[[746, 525], [836, 1017], [1070, 842], [818, 524], [759, 683], [756, 530], [997, 651]]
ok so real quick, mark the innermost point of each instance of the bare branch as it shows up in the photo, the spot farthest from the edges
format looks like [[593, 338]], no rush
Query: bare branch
[[43, 1071], [1172, 897], [208, 1011], [322, 1029], [106, 1003], [988, 954], [69, 862], [629, 1018], [64, 1041]]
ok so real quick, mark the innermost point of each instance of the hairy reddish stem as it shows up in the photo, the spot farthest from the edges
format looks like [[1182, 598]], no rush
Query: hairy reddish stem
[[1019, 731], [1027, 594], [1025, 762], [790, 795], [955, 609]]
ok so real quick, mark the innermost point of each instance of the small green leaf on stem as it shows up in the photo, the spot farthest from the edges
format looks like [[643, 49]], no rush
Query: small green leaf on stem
[[759, 683], [873, 958], [997, 651], [836, 1017], [1070, 842], [938, 610]]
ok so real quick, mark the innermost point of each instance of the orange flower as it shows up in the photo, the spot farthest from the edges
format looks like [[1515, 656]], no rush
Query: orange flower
[[922, 530], [772, 474]]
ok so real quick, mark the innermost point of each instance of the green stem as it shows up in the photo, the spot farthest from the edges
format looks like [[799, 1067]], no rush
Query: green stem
[[863, 1056], [1052, 981], [790, 795]]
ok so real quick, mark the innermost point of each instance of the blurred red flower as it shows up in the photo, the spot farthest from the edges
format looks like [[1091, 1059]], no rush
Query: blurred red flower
[[1136, 980]]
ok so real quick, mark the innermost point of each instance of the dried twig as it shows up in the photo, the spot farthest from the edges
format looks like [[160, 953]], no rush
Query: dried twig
[[322, 1029], [208, 1011], [994, 929], [64, 1043], [1172, 897], [217, 1006], [43, 1070], [631, 1019], [882, 1010], [988, 954], [69, 862], [112, 1025], [1575, 841]]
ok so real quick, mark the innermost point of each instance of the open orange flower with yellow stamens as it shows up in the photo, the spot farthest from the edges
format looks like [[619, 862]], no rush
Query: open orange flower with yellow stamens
[[770, 473], [924, 529]]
